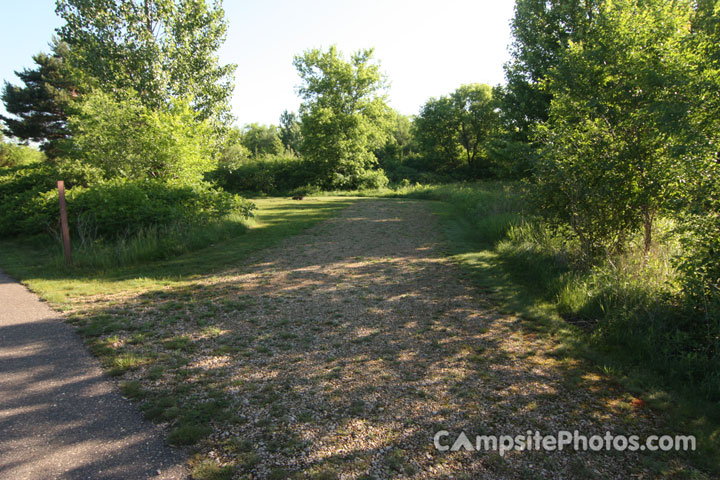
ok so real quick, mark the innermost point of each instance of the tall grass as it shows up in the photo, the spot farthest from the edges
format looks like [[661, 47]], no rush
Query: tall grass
[[154, 242], [624, 312], [627, 306]]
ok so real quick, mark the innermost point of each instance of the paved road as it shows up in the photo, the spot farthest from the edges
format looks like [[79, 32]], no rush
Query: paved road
[[59, 416]]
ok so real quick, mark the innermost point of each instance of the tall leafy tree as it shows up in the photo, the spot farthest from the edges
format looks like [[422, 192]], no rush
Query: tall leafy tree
[[611, 140], [162, 49], [290, 131], [261, 139], [435, 130], [400, 140], [476, 120], [698, 265], [455, 130], [542, 30], [344, 117], [40, 107]]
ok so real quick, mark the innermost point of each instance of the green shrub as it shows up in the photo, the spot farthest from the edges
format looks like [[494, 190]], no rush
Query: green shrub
[[359, 180], [264, 174], [12, 155], [126, 139], [111, 209]]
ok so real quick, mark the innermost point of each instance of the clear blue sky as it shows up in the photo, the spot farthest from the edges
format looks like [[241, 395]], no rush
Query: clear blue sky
[[426, 48]]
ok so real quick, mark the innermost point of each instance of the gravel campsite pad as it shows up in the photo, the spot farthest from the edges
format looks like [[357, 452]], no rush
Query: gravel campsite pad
[[340, 352]]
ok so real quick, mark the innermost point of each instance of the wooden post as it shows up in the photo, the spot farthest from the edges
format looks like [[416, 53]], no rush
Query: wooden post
[[64, 223]]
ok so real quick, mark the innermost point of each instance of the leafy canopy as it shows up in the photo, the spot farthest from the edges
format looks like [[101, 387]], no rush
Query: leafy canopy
[[163, 49], [126, 139], [343, 117], [612, 157], [455, 130]]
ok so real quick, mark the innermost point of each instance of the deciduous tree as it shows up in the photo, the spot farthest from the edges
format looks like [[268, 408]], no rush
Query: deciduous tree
[[344, 117], [611, 140], [163, 49]]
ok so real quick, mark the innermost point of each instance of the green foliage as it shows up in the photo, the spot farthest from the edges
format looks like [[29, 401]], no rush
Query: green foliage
[[701, 213], [344, 119], [457, 130], [435, 129], [541, 31], [263, 174], [153, 242], [163, 49], [700, 268], [610, 162], [40, 107], [109, 209], [290, 132], [477, 120], [261, 139], [126, 139], [628, 306], [13, 155], [233, 155]]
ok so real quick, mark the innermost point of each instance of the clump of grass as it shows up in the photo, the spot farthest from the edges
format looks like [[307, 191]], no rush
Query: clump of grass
[[127, 361], [209, 470], [132, 390], [156, 242], [188, 434]]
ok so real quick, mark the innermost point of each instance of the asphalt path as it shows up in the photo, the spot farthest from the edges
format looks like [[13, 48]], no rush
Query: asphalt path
[[60, 417]]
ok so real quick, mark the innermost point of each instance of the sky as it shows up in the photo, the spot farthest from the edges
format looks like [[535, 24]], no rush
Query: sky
[[426, 48]]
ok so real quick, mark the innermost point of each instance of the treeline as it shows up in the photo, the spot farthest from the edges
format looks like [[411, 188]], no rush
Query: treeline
[[345, 136]]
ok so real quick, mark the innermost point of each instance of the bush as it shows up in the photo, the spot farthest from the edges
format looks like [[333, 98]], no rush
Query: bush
[[126, 139], [265, 174], [12, 155], [700, 270], [109, 209], [359, 180]]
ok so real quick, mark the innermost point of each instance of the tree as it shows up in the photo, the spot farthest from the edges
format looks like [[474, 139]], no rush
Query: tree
[[698, 263], [477, 120], [457, 129], [261, 139], [611, 140], [126, 139], [163, 49], [42, 105], [541, 32], [290, 131], [344, 117], [399, 140], [436, 131]]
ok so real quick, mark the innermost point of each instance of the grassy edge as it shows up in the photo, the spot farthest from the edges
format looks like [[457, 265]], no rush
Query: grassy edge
[[282, 219], [34, 264], [481, 264]]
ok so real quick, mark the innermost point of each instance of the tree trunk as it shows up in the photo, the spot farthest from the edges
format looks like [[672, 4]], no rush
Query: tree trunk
[[648, 221]]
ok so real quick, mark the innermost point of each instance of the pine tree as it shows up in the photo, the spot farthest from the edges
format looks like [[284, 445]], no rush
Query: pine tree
[[41, 106]]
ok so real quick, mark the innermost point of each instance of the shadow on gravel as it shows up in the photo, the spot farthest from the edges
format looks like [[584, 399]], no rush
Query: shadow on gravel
[[344, 350]]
